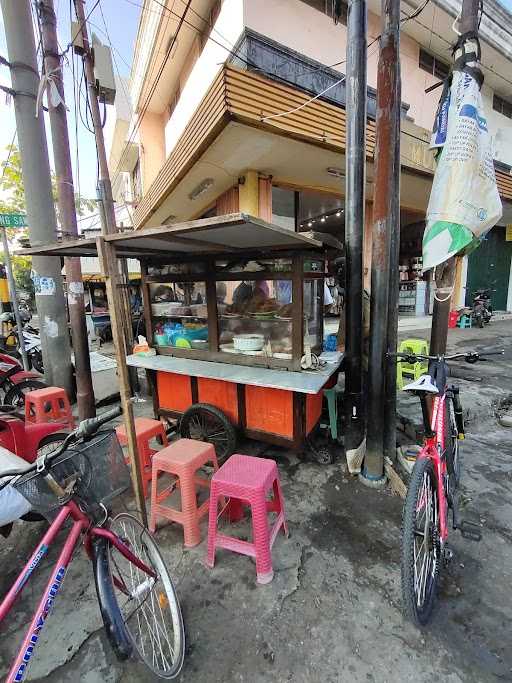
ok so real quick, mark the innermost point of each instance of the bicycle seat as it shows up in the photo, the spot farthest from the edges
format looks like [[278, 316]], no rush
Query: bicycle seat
[[424, 383]]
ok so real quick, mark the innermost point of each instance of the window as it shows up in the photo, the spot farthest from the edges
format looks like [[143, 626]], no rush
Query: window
[[502, 106], [283, 207], [433, 65], [327, 7]]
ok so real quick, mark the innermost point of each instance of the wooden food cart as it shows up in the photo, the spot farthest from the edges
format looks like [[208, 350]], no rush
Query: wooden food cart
[[232, 305]]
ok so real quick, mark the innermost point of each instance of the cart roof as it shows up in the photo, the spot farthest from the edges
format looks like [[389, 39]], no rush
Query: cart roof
[[222, 235]]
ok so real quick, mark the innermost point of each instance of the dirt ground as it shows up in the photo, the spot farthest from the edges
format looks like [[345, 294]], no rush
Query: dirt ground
[[333, 611]]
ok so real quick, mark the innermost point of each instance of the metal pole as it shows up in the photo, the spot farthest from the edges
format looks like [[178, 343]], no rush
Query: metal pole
[[14, 299], [66, 200], [381, 397], [445, 281], [354, 226], [104, 186], [42, 222]]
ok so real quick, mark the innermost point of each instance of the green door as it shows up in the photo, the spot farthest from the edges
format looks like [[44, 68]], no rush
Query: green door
[[489, 266]]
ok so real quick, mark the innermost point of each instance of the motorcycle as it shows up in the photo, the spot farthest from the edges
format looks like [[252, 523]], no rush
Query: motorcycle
[[482, 307], [15, 382], [31, 337]]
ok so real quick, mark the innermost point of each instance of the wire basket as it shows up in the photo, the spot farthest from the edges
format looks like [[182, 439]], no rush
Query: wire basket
[[98, 466]]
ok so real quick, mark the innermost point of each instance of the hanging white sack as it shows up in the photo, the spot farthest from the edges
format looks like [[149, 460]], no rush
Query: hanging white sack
[[464, 202]]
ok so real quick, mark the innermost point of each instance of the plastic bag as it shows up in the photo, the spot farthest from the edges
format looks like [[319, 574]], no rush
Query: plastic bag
[[142, 348]]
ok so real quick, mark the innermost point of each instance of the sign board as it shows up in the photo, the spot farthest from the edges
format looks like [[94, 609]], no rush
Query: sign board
[[508, 232], [13, 220]]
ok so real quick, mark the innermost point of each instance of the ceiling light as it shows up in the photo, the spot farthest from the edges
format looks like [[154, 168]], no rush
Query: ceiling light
[[203, 187], [322, 219], [310, 224], [338, 213], [336, 172]]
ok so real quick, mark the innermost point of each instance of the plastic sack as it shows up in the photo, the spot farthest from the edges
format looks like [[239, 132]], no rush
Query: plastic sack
[[142, 348], [464, 201]]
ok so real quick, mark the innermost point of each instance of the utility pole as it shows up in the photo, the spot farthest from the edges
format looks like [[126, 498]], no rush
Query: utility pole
[[354, 226], [66, 199], [445, 280], [386, 221], [104, 186], [50, 302]]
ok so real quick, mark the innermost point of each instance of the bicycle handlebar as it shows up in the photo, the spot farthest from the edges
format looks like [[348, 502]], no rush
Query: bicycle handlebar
[[469, 357], [85, 429]]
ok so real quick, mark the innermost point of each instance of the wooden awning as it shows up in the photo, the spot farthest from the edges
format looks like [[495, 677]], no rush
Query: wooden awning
[[218, 235]]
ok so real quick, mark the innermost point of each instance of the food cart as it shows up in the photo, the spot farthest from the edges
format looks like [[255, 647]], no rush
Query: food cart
[[233, 307]]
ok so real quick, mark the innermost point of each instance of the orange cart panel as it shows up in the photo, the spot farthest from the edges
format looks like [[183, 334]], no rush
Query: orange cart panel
[[221, 394], [174, 391], [313, 410], [269, 410]]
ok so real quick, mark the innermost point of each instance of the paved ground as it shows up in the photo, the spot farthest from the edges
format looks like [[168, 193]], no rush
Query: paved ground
[[333, 611]]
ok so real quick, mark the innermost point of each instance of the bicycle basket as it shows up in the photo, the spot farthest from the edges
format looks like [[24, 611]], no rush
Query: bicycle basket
[[98, 466]]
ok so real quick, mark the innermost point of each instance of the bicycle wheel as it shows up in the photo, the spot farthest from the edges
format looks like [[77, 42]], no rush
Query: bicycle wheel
[[421, 549], [207, 423], [453, 455], [149, 607]]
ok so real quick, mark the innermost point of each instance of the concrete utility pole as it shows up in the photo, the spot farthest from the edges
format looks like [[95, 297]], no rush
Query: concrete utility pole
[[354, 227], [105, 196], [66, 199], [444, 282], [50, 302], [386, 202]]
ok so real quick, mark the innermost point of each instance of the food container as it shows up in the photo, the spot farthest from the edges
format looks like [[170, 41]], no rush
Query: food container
[[248, 342], [165, 308], [161, 339]]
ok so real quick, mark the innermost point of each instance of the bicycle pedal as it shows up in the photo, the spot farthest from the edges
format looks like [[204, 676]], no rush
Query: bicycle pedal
[[470, 531]]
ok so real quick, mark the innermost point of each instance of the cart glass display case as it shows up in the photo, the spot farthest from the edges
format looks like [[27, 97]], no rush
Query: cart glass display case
[[249, 311]]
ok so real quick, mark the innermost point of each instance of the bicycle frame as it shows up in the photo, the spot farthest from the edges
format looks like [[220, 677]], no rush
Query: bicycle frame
[[434, 448], [81, 525]]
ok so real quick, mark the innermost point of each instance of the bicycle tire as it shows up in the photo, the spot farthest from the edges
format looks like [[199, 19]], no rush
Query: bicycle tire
[[151, 605], [419, 614], [205, 422]]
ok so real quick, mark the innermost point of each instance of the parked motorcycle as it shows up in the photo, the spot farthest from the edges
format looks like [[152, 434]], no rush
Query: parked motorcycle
[[31, 337], [482, 306], [15, 382]]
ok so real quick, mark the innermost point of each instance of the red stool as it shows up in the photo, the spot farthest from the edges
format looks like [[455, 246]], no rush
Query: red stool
[[182, 459], [146, 429], [49, 405], [247, 480]]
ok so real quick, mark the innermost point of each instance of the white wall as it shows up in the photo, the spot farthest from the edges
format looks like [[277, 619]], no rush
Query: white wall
[[500, 128], [227, 30]]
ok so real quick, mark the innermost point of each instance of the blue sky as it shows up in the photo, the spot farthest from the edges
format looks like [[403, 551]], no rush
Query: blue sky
[[121, 19]]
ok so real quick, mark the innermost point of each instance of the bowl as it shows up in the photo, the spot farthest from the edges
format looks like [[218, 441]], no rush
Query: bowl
[[248, 342]]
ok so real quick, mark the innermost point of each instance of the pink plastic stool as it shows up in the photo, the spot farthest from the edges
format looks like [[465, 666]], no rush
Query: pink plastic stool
[[182, 458], [145, 430], [247, 480]]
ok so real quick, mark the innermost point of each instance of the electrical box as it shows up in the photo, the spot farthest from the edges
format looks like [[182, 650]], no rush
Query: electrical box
[[103, 71], [76, 38]]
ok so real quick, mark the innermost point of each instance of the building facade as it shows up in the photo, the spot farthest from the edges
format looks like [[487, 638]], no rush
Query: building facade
[[219, 116]]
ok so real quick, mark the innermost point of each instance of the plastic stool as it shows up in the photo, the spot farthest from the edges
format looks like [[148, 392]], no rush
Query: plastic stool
[[247, 480], [464, 322], [182, 458], [145, 430], [411, 370], [49, 405]]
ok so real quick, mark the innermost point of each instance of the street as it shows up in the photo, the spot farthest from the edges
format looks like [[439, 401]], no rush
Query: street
[[333, 610]]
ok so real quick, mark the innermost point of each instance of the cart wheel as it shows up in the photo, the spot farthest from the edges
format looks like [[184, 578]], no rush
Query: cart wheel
[[322, 454], [207, 423]]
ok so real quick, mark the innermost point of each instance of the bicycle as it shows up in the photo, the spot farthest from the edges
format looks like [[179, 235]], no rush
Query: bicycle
[[433, 486], [136, 595]]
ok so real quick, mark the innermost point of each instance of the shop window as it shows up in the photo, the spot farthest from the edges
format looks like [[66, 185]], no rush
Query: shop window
[[313, 303], [255, 317], [180, 314], [329, 6], [284, 208], [502, 106], [433, 65]]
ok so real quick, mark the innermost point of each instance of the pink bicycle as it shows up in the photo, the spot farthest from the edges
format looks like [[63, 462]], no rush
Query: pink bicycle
[[433, 486], [136, 595]]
